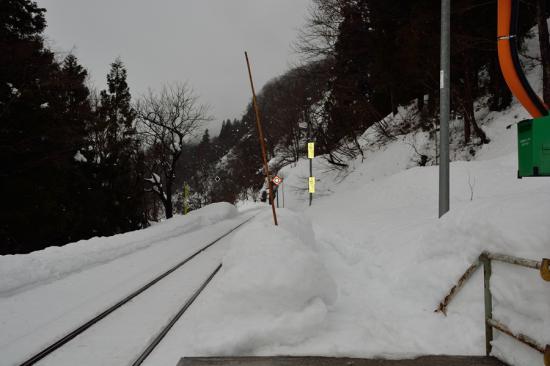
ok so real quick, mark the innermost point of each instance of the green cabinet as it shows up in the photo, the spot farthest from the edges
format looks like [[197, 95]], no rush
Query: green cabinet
[[534, 147]]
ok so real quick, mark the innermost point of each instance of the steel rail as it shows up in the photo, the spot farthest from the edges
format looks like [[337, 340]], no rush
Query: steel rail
[[174, 320], [82, 328]]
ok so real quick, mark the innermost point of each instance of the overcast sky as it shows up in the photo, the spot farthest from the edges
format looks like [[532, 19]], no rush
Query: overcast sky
[[199, 41]]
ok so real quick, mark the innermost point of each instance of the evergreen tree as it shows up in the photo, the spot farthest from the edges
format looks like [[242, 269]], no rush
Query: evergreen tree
[[349, 107], [40, 134], [118, 188]]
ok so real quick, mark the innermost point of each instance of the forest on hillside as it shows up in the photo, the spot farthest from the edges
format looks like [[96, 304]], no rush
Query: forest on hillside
[[77, 162]]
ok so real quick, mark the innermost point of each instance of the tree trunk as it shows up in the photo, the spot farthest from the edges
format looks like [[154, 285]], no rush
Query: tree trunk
[[469, 112], [501, 95], [394, 106], [467, 124], [432, 104], [467, 103], [168, 207], [544, 42], [479, 132], [420, 103]]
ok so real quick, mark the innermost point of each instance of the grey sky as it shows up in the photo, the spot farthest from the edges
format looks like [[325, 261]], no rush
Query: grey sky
[[199, 41]]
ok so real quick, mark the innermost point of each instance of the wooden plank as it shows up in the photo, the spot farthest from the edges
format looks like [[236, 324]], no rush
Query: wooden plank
[[330, 361]]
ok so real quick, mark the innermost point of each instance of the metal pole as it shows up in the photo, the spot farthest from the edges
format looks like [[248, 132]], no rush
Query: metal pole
[[262, 142], [488, 297], [310, 160], [310, 175], [445, 103]]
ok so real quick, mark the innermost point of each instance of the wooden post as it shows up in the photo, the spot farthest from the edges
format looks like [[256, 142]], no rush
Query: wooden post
[[487, 271], [262, 142], [309, 139]]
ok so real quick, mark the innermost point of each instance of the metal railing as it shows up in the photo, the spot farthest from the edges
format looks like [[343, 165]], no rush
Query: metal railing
[[485, 260]]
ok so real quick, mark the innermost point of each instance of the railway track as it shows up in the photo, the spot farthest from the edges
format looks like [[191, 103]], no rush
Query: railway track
[[187, 294]]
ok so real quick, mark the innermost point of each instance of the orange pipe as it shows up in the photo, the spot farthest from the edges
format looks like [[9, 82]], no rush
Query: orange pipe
[[506, 61]]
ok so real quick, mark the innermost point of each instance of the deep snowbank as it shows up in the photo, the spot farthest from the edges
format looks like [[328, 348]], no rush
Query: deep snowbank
[[19, 272], [272, 289], [394, 260], [514, 224]]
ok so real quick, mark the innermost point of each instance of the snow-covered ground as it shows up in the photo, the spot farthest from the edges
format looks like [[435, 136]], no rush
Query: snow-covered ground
[[34, 316], [359, 273], [19, 272], [377, 242], [381, 247]]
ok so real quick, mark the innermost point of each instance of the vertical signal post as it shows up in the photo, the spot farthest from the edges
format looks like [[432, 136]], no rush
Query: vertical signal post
[[311, 156], [262, 142]]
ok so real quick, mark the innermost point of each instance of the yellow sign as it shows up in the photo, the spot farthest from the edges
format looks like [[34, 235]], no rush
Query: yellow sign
[[545, 270], [311, 150], [311, 184]]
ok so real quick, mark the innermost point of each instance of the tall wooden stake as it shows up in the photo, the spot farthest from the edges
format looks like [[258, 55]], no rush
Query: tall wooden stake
[[262, 142]]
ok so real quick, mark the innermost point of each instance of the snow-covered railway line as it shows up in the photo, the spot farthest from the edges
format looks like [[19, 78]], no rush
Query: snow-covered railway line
[[140, 323]]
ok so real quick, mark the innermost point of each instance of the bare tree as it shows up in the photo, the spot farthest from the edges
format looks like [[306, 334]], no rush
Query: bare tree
[[167, 120], [316, 40]]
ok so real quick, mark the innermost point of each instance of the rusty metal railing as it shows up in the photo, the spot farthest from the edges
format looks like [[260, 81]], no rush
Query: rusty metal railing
[[485, 260]]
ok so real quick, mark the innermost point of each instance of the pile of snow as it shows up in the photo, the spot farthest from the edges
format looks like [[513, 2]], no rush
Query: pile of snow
[[361, 272], [394, 260], [18, 272], [516, 224], [272, 289], [79, 157]]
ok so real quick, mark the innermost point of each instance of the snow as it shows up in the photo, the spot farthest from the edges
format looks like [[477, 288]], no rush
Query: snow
[[392, 261], [80, 158], [154, 178], [34, 317], [122, 337], [273, 287], [398, 261], [14, 90], [19, 272], [358, 274]]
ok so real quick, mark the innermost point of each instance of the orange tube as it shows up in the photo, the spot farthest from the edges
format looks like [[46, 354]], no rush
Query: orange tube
[[506, 61]]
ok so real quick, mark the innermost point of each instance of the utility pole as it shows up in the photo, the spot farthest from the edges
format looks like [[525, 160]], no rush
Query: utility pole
[[445, 104], [262, 141]]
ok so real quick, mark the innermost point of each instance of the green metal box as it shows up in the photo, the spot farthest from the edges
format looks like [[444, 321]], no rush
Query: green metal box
[[534, 147]]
